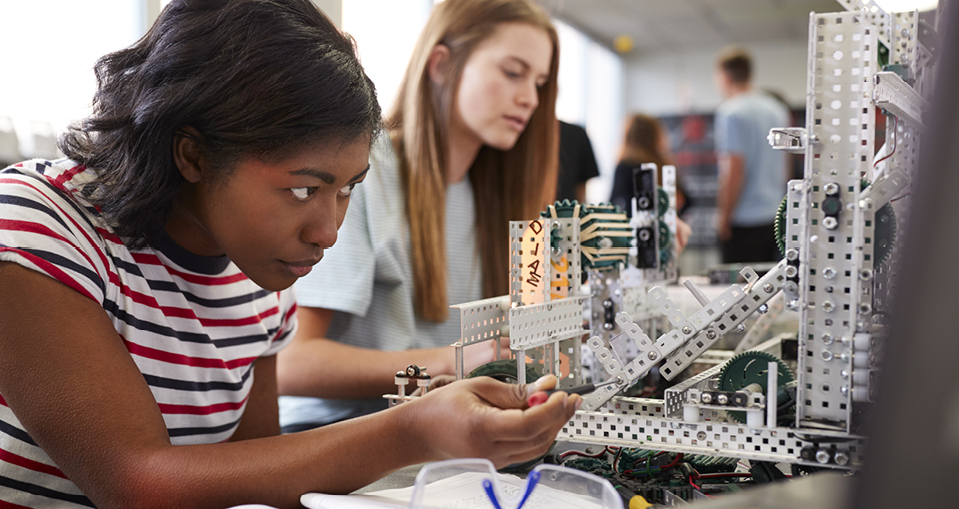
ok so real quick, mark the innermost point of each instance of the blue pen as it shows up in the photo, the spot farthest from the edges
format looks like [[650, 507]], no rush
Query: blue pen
[[530, 484], [488, 486]]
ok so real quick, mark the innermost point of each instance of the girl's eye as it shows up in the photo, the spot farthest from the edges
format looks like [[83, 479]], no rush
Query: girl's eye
[[347, 190], [511, 74], [302, 193]]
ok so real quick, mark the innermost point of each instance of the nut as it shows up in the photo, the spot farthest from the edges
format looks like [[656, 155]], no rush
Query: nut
[[830, 223]]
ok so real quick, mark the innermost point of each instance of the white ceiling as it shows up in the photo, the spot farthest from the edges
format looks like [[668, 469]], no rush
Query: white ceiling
[[656, 25]]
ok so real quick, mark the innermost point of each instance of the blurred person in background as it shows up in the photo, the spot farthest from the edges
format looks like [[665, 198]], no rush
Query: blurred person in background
[[752, 176]]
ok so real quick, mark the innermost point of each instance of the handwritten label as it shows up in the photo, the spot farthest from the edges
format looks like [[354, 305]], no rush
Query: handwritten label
[[534, 257]]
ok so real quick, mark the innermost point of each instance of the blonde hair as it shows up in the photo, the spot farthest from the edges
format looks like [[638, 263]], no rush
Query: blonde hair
[[509, 185]]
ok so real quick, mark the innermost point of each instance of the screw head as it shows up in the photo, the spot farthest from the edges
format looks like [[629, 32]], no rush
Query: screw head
[[791, 271], [825, 355], [768, 288], [865, 274], [828, 306], [722, 399], [687, 330], [865, 308], [652, 356], [841, 458], [740, 328], [827, 338], [706, 398], [792, 254], [701, 435], [822, 456], [710, 334]]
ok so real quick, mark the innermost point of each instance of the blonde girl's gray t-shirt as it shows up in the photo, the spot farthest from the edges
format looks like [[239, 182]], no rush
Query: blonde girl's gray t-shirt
[[366, 278]]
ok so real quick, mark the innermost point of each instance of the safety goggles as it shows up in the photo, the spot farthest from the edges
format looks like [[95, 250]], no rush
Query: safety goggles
[[474, 483]]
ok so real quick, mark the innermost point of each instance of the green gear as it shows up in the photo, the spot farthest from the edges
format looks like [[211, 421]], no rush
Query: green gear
[[751, 367], [884, 233], [663, 201], [565, 208], [665, 239], [779, 225]]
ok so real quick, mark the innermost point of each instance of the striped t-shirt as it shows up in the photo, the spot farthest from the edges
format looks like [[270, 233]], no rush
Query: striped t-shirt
[[193, 325]]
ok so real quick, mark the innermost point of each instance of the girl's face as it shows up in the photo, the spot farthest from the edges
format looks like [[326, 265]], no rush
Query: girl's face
[[272, 219], [499, 87]]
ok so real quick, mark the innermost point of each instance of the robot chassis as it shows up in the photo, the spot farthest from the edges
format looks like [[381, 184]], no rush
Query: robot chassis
[[830, 274]]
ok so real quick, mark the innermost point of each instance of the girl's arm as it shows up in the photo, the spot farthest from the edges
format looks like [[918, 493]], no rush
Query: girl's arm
[[312, 365], [68, 378]]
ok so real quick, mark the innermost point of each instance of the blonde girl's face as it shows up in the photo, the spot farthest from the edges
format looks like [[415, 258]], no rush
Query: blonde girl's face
[[499, 87]]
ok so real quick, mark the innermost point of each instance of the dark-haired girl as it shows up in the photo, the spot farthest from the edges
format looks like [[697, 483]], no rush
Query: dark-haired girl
[[144, 279]]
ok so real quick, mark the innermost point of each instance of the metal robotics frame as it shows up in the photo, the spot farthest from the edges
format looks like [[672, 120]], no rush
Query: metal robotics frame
[[838, 232], [831, 273]]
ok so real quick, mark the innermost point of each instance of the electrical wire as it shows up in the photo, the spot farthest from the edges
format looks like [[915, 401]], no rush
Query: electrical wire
[[895, 126], [900, 196], [584, 454]]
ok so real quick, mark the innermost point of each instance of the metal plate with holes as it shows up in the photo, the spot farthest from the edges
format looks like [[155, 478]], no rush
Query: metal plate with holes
[[626, 422], [895, 95], [675, 396], [541, 324], [482, 320], [760, 293], [842, 64]]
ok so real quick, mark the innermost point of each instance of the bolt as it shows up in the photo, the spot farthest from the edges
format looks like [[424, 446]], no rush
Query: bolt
[[768, 288], [706, 398], [608, 326], [844, 357], [865, 308], [652, 356], [644, 235], [607, 303], [722, 399], [822, 456], [642, 202], [866, 204], [828, 306], [827, 338], [865, 274], [905, 32], [740, 328], [844, 374], [763, 309], [826, 355], [710, 334], [791, 287], [829, 273], [830, 223], [831, 188], [701, 435], [687, 330], [793, 305], [792, 254], [841, 458], [844, 390], [791, 271], [812, 139]]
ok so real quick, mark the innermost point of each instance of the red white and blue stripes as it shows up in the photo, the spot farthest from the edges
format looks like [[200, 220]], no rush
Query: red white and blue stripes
[[193, 325]]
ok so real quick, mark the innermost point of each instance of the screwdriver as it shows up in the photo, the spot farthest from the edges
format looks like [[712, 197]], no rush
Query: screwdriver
[[541, 396]]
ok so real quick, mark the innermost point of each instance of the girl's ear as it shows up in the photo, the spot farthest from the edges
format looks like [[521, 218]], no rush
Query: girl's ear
[[437, 64], [187, 155]]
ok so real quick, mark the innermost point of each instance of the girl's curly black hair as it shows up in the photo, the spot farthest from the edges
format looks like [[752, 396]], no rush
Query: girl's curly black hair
[[252, 77]]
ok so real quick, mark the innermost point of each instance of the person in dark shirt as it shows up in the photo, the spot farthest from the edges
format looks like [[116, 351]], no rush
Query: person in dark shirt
[[577, 164]]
